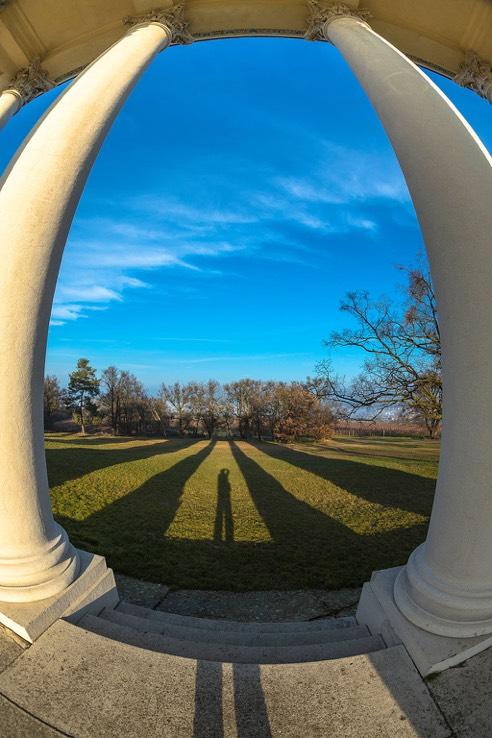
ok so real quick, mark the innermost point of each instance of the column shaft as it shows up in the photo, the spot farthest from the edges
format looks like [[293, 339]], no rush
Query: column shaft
[[10, 102], [447, 585], [38, 197]]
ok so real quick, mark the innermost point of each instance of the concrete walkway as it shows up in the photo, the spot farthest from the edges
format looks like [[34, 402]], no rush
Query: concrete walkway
[[79, 682], [84, 685]]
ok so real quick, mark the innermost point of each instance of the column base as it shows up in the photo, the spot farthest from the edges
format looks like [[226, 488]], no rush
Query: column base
[[463, 612], [47, 572], [430, 652], [94, 589]]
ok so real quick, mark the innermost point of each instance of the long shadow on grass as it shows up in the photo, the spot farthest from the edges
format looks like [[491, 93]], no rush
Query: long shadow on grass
[[310, 540], [290, 521], [307, 547], [92, 440], [134, 526], [378, 454], [381, 485], [76, 461]]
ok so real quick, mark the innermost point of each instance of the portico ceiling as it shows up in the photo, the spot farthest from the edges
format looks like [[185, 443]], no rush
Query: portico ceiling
[[65, 35]]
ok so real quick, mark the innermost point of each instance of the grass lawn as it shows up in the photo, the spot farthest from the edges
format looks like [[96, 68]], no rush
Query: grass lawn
[[244, 516]]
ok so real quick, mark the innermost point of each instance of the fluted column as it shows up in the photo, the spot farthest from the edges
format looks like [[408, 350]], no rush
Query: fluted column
[[10, 103], [27, 84], [39, 195], [446, 587]]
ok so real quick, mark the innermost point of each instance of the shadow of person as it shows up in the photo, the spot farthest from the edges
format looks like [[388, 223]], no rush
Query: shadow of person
[[224, 523]]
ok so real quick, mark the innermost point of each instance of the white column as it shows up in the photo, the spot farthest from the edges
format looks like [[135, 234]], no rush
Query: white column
[[10, 102], [39, 195], [446, 587]]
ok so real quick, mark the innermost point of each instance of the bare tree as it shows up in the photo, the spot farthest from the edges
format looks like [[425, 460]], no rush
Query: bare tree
[[242, 398], [178, 397], [133, 403], [52, 400], [111, 398], [159, 413], [272, 405], [212, 408], [197, 405], [403, 368], [260, 406]]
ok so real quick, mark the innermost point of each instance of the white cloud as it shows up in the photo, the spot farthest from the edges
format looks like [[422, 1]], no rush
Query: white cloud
[[158, 232], [88, 293], [61, 313], [342, 175], [132, 282], [307, 190], [238, 358], [172, 209], [364, 224], [186, 339]]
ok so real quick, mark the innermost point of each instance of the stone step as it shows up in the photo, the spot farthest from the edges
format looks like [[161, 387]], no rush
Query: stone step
[[221, 624], [88, 686], [230, 653], [237, 637]]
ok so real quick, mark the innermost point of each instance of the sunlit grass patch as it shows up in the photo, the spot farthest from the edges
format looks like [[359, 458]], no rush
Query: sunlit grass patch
[[238, 515]]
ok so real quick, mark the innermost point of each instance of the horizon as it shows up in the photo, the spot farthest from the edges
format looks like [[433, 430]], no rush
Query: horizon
[[228, 214]]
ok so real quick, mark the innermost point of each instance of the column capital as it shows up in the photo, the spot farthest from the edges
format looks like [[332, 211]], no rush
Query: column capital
[[475, 74], [322, 14], [30, 82], [173, 17]]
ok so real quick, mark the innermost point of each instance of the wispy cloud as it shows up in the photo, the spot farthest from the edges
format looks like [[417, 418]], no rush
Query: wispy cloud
[[88, 293], [108, 254], [345, 176], [170, 209], [306, 190], [187, 339], [237, 358]]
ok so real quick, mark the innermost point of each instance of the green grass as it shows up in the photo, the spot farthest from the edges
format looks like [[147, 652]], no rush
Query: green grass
[[244, 516]]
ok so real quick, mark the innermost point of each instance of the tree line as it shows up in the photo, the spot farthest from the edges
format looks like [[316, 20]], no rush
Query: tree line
[[401, 378], [248, 408]]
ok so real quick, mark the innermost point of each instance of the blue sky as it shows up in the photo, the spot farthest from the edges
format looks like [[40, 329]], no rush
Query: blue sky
[[246, 186]]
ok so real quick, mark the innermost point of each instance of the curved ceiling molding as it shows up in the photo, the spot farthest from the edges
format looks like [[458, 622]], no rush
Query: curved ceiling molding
[[453, 38]]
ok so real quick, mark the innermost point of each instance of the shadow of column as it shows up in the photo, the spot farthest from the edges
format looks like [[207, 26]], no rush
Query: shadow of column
[[139, 520], [208, 721], [224, 523], [76, 459], [306, 538], [375, 483]]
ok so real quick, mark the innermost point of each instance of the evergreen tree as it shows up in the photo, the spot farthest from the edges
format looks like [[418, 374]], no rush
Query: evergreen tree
[[83, 385]]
